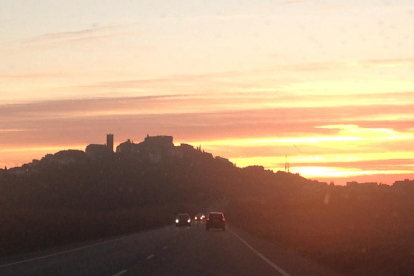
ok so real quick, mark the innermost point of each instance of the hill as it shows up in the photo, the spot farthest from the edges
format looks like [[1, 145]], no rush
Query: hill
[[74, 195], [151, 175]]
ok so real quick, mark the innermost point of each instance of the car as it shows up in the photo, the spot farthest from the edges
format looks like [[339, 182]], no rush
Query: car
[[199, 217], [216, 220], [183, 220]]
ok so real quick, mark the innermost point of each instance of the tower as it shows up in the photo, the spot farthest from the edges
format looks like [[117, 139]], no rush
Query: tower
[[110, 142], [287, 166]]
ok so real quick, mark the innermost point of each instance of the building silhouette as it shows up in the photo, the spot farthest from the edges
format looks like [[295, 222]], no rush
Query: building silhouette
[[406, 183], [99, 151], [110, 142], [364, 185], [151, 143]]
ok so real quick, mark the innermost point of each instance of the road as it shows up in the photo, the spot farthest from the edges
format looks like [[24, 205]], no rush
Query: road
[[166, 251]]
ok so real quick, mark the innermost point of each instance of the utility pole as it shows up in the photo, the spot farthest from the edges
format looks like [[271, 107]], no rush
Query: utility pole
[[287, 169]]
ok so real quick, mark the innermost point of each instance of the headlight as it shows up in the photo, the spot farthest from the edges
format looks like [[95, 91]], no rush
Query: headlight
[[189, 220], [177, 221]]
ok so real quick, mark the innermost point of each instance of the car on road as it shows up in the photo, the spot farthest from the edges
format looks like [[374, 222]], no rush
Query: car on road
[[199, 217], [183, 220], [216, 220]]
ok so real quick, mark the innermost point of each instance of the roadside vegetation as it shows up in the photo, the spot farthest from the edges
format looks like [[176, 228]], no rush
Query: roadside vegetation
[[25, 230], [354, 231]]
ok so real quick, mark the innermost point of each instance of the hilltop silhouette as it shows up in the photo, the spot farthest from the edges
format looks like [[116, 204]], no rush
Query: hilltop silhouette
[[76, 195], [147, 173]]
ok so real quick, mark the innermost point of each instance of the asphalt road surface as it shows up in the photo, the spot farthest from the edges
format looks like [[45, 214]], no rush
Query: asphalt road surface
[[166, 251]]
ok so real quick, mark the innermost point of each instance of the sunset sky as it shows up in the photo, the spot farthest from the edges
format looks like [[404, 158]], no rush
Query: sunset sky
[[327, 83]]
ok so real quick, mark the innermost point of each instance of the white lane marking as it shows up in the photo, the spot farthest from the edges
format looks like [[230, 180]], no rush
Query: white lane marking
[[67, 251], [120, 273], [281, 271], [165, 247], [150, 257]]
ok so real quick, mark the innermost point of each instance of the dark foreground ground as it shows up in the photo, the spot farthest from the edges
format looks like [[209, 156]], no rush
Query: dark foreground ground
[[26, 230], [167, 251], [352, 232]]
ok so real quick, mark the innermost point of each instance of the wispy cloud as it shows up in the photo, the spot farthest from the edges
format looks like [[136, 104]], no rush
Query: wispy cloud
[[70, 35], [9, 130], [316, 66], [331, 7], [335, 65], [172, 78], [293, 2], [260, 136], [380, 164], [389, 62], [34, 76], [212, 83], [86, 106], [93, 34], [253, 105], [201, 116]]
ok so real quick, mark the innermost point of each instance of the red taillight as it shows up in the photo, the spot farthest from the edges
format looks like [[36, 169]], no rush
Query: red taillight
[[208, 218], [223, 219]]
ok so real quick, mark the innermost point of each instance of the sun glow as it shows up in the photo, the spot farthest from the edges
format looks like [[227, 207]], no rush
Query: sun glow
[[337, 156], [346, 133], [19, 156], [337, 172]]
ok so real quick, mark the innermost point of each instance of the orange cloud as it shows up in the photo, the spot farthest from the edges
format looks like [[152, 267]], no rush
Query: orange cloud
[[92, 34], [389, 62], [34, 76], [346, 64], [12, 130], [332, 7], [234, 111], [65, 36], [347, 137]]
